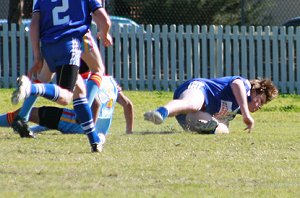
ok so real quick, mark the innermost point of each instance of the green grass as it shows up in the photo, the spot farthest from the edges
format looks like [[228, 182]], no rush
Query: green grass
[[158, 161]]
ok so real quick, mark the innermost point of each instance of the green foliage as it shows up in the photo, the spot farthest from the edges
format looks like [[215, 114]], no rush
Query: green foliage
[[196, 12], [158, 160]]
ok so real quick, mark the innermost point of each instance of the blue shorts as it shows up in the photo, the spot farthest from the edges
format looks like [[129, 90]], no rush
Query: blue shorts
[[69, 125], [67, 51]]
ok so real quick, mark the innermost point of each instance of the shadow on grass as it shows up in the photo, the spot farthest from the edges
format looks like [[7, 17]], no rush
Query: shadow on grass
[[160, 133]]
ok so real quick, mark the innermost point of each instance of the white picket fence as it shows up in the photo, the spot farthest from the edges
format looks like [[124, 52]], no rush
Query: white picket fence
[[160, 58]]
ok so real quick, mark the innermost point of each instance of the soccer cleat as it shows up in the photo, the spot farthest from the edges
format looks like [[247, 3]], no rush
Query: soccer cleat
[[20, 126], [22, 91], [98, 147], [153, 116]]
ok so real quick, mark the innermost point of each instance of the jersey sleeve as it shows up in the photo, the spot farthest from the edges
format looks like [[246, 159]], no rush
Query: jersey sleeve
[[246, 83], [95, 4], [36, 6]]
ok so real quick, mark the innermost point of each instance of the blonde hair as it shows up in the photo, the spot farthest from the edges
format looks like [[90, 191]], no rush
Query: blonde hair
[[265, 86]]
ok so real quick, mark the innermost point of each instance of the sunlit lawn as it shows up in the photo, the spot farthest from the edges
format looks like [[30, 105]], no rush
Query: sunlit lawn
[[158, 161]]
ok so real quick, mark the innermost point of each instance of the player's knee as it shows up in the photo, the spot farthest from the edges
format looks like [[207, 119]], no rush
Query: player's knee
[[66, 97], [193, 107]]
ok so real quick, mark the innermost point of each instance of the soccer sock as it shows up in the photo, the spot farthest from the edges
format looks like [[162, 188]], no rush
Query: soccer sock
[[84, 115], [27, 106], [163, 112], [93, 85], [7, 118], [49, 91]]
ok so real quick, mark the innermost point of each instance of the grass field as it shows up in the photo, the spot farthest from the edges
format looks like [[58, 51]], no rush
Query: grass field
[[158, 161]]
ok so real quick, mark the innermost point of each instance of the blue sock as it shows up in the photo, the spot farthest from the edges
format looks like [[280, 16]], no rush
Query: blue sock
[[7, 118], [92, 87], [163, 112], [3, 121], [84, 115], [27, 106], [49, 91], [92, 90]]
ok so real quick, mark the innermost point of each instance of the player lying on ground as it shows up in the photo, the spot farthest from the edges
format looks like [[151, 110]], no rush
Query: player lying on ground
[[207, 105], [64, 120]]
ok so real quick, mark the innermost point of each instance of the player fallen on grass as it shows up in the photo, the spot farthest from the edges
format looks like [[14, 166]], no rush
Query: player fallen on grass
[[64, 120], [207, 105]]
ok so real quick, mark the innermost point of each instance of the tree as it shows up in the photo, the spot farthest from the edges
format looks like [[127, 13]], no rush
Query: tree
[[196, 12], [15, 12]]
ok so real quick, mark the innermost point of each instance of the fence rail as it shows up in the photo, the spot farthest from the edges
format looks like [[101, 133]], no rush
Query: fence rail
[[161, 57]]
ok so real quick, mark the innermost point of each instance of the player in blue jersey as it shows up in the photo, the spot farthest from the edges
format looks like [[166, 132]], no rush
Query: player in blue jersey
[[207, 105], [91, 55], [59, 26]]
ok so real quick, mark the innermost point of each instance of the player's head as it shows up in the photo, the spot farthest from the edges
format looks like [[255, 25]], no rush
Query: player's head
[[262, 91]]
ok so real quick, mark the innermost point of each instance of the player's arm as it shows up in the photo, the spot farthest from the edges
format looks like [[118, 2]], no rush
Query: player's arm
[[239, 92], [103, 22], [128, 111], [35, 40]]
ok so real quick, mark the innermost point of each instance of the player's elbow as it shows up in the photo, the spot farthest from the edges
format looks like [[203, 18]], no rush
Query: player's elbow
[[129, 104]]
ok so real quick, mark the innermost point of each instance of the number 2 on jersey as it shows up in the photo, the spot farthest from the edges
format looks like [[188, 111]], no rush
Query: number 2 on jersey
[[55, 13]]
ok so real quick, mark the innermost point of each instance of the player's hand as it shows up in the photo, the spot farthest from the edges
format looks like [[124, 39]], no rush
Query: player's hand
[[249, 121], [36, 68], [106, 39]]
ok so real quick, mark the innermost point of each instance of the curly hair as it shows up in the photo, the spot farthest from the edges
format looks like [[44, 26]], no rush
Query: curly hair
[[265, 86]]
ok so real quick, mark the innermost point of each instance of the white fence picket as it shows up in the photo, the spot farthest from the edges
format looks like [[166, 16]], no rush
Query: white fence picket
[[173, 57], [275, 55], [157, 58], [149, 57], [133, 54], [282, 68], [219, 51], [236, 51], [165, 57], [141, 56], [125, 58], [196, 52], [204, 50], [228, 51], [212, 52], [267, 53], [259, 49], [188, 53], [6, 63], [291, 56], [181, 65]]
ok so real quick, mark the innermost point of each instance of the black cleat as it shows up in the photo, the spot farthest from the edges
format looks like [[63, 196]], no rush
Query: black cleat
[[20, 126], [96, 148]]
